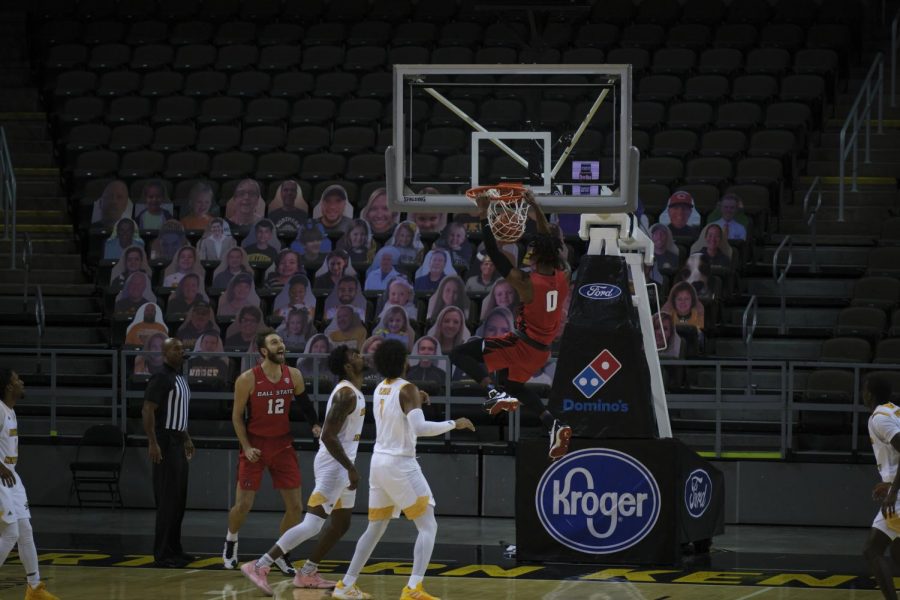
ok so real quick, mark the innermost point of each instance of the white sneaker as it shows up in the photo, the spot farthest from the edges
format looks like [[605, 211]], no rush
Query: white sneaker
[[230, 555], [283, 564], [349, 592], [560, 434], [498, 401]]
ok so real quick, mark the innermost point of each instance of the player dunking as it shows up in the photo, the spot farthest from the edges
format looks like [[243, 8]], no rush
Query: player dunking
[[336, 477], [266, 392], [396, 481], [524, 351]]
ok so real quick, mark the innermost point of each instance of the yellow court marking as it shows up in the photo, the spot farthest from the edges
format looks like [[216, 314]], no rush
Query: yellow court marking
[[86, 583]]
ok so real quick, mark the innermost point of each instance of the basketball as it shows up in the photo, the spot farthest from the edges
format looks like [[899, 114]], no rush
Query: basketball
[[506, 228]]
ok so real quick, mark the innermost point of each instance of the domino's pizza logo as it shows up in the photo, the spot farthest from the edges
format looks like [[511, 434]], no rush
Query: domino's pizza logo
[[600, 291], [697, 493], [597, 373], [598, 501]]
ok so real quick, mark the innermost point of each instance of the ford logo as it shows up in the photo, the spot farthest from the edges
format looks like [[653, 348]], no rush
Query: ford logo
[[598, 501], [600, 291], [697, 493]]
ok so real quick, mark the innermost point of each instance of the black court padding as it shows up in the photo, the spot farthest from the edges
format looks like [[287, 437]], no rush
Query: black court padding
[[673, 467], [610, 396]]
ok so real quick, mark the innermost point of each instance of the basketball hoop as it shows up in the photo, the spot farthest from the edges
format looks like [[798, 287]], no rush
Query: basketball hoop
[[507, 213]]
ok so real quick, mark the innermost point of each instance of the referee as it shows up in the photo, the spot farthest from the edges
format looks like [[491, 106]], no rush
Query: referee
[[165, 416]]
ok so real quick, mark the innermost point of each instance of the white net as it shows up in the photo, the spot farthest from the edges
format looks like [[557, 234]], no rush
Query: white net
[[507, 218]]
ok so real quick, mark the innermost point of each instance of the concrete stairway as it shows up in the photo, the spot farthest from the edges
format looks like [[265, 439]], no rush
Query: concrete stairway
[[72, 312]]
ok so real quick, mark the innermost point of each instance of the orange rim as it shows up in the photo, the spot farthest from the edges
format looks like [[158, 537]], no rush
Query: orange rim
[[510, 192]]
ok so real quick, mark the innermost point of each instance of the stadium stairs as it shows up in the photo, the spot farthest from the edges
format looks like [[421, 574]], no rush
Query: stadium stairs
[[73, 317]]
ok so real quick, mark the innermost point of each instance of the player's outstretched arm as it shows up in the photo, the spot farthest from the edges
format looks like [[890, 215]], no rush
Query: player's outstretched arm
[[543, 226], [341, 407], [411, 402], [303, 402], [242, 388]]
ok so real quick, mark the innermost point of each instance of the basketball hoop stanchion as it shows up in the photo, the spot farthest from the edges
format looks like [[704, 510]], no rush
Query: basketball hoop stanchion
[[627, 492]]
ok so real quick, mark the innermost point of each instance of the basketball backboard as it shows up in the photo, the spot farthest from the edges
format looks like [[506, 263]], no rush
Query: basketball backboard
[[562, 130]]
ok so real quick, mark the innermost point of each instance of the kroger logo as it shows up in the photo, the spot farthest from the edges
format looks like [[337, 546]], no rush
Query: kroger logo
[[598, 501], [600, 291], [697, 493], [597, 373]]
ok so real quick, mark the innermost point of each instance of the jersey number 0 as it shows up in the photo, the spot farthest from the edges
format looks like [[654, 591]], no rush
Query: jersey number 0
[[552, 299]]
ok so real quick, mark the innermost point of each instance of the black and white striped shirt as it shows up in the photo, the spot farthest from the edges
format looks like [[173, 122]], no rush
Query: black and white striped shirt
[[170, 393]]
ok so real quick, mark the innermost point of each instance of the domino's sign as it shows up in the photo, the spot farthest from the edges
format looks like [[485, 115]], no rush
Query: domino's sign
[[595, 375], [697, 493], [600, 291], [598, 501]]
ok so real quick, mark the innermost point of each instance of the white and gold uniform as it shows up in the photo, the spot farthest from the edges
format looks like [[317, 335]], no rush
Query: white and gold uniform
[[884, 424], [396, 481], [13, 501], [331, 491]]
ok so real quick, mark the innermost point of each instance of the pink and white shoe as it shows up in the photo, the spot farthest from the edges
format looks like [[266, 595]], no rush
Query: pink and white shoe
[[314, 581], [259, 576]]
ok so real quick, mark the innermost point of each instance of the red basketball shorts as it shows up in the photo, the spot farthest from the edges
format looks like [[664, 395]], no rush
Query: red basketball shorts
[[278, 457], [513, 353]]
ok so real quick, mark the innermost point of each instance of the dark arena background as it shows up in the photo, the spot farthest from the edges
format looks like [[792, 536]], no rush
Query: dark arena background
[[199, 169]]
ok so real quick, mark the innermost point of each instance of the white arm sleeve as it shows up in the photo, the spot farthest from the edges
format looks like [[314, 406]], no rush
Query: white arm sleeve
[[423, 428]]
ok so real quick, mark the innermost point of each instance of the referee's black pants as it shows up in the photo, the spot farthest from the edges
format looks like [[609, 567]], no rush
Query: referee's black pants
[[170, 479]]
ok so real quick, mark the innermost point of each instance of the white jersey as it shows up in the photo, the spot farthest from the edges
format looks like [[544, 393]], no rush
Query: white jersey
[[393, 435], [9, 437], [884, 424], [349, 434]]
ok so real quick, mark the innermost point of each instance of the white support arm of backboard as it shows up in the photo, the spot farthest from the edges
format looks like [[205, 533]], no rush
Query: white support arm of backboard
[[475, 125], [578, 132], [628, 234]]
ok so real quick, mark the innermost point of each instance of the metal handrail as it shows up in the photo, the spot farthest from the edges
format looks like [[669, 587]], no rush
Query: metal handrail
[[8, 197], [40, 318], [27, 254], [872, 89], [811, 215], [894, 25], [781, 277], [777, 400], [747, 335]]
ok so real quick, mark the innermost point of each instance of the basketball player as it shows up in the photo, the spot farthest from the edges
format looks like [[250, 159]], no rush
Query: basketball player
[[15, 517], [265, 391], [395, 478], [884, 431], [336, 477], [524, 351]]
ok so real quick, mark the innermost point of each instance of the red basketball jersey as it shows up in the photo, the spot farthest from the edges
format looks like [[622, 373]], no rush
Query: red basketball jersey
[[540, 318], [270, 403]]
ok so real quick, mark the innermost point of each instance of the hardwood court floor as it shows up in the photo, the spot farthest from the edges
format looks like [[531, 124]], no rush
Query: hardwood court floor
[[99, 554], [96, 583]]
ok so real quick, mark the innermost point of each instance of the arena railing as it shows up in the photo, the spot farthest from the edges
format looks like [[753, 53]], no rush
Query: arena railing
[[859, 116], [50, 391], [771, 412], [748, 327], [8, 197], [128, 392], [854, 407], [780, 277], [27, 253], [810, 214], [697, 402], [894, 25]]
